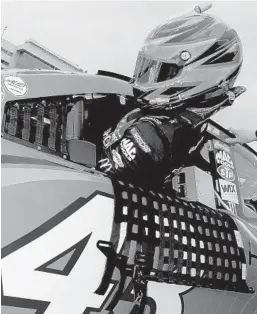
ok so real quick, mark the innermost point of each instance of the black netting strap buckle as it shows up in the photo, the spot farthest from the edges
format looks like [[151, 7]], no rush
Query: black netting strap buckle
[[113, 260], [108, 250], [136, 271]]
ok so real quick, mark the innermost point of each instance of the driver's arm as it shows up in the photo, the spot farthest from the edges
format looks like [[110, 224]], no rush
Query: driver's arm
[[143, 153]]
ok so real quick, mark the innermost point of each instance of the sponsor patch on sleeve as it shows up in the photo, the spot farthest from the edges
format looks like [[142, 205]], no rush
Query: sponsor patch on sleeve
[[116, 157], [140, 141], [107, 138], [128, 149]]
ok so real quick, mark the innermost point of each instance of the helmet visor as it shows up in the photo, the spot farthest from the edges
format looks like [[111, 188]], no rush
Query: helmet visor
[[152, 71]]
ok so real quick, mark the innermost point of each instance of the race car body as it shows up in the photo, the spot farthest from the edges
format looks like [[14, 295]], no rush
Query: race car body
[[59, 214]]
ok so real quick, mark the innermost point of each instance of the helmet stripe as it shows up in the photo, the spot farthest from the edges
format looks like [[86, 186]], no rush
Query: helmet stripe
[[187, 31]]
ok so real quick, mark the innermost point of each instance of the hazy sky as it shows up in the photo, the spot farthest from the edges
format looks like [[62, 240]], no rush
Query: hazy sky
[[107, 35]]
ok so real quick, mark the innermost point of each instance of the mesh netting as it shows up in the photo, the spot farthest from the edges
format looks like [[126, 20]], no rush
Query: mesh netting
[[185, 243]]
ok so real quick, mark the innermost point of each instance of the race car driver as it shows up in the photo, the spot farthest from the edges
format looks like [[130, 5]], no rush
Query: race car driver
[[184, 73]]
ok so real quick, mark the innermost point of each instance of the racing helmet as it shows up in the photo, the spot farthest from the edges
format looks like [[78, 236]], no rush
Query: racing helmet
[[193, 59]]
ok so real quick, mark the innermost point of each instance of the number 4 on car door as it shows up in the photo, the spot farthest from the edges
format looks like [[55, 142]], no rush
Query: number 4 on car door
[[28, 280]]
